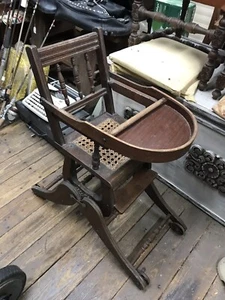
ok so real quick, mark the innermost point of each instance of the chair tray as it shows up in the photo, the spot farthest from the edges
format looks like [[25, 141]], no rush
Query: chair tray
[[163, 135], [164, 128]]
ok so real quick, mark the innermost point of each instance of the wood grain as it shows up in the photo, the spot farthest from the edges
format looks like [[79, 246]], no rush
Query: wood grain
[[216, 290], [108, 271], [22, 181], [18, 209], [15, 138], [31, 229], [24, 159], [68, 272], [167, 257], [199, 270]]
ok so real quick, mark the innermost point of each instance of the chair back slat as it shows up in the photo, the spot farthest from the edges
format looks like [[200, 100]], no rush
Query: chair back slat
[[67, 49], [89, 72], [75, 61], [62, 84], [76, 77]]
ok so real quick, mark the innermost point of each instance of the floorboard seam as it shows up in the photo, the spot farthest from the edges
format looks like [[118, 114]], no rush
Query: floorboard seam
[[207, 292], [182, 264], [27, 288]]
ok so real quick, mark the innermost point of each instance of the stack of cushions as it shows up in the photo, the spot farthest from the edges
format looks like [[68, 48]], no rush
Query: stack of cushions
[[163, 62]]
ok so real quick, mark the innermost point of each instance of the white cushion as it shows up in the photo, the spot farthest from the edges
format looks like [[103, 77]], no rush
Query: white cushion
[[164, 62]]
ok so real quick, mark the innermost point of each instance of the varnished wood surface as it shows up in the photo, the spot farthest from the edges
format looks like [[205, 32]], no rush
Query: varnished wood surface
[[64, 259], [164, 128]]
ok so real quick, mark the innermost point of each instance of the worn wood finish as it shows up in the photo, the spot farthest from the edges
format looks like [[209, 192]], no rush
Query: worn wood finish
[[133, 139], [53, 240], [18, 183], [184, 285], [138, 117], [107, 269], [14, 139], [139, 152], [216, 291], [169, 255]]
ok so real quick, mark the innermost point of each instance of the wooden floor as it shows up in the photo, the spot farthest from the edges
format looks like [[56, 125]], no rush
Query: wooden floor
[[64, 259]]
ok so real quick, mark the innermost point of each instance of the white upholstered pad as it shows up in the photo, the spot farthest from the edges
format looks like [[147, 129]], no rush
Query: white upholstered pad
[[164, 62]]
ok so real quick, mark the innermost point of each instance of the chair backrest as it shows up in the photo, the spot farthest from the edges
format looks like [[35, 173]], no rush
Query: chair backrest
[[83, 60]]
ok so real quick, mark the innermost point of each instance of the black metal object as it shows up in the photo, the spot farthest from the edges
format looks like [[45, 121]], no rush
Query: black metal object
[[207, 166], [12, 282], [41, 128]]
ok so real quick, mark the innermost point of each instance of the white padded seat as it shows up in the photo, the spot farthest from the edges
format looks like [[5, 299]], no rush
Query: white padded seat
[[166, 63]]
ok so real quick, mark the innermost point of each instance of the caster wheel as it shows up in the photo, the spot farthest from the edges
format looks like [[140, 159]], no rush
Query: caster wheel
[[202, 86], [12, 282], [177, 228], [216, 94], [144, 276]]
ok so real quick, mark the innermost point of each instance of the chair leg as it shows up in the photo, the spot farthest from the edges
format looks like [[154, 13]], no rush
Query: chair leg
[[94, 215], [177, 225], [65, 193]]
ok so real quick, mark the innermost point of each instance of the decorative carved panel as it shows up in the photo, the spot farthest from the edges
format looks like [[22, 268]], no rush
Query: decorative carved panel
[[207, 166]]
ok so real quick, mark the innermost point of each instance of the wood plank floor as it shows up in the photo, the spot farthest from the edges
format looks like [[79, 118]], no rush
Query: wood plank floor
[[64, 258]]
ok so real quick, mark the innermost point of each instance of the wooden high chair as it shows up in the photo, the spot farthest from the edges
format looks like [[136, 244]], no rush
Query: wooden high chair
[[118, 153]]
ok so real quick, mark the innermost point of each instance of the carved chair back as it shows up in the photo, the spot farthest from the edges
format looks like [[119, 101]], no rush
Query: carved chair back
[[84, 61]]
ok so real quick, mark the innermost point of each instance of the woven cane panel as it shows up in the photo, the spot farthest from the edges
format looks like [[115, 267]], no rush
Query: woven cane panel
[[109, 158]]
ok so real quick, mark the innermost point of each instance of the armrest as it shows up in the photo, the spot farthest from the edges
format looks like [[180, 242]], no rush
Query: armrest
[[131, 148], [142, 94]]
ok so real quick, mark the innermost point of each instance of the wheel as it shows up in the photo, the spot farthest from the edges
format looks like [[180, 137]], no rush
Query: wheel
[[12, 282], [177, 228], [144, 276]]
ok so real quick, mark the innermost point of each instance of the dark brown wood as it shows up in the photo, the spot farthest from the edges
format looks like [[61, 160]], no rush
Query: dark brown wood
[[96, 157], [89, 72], [217, 42], [76, 77], [86, 100], [104, 75], [59, 195], [127, 194], [162, 132], [143, 114], [40, 79], [62, 84], [176, 23], [88, 42], [212, 24]]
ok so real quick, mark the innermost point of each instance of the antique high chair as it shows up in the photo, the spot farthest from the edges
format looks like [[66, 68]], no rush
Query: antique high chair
[[118, 153]]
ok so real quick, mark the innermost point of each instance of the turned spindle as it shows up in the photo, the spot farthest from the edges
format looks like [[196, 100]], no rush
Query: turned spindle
[[76, 77], [89, 72], [62, 84]]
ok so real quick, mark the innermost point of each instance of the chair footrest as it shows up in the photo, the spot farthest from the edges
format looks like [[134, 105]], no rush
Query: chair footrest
[[127, 194], [144, 247]]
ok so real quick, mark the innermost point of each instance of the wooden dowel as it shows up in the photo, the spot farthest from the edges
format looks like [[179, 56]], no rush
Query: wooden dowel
[[138, 116]]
